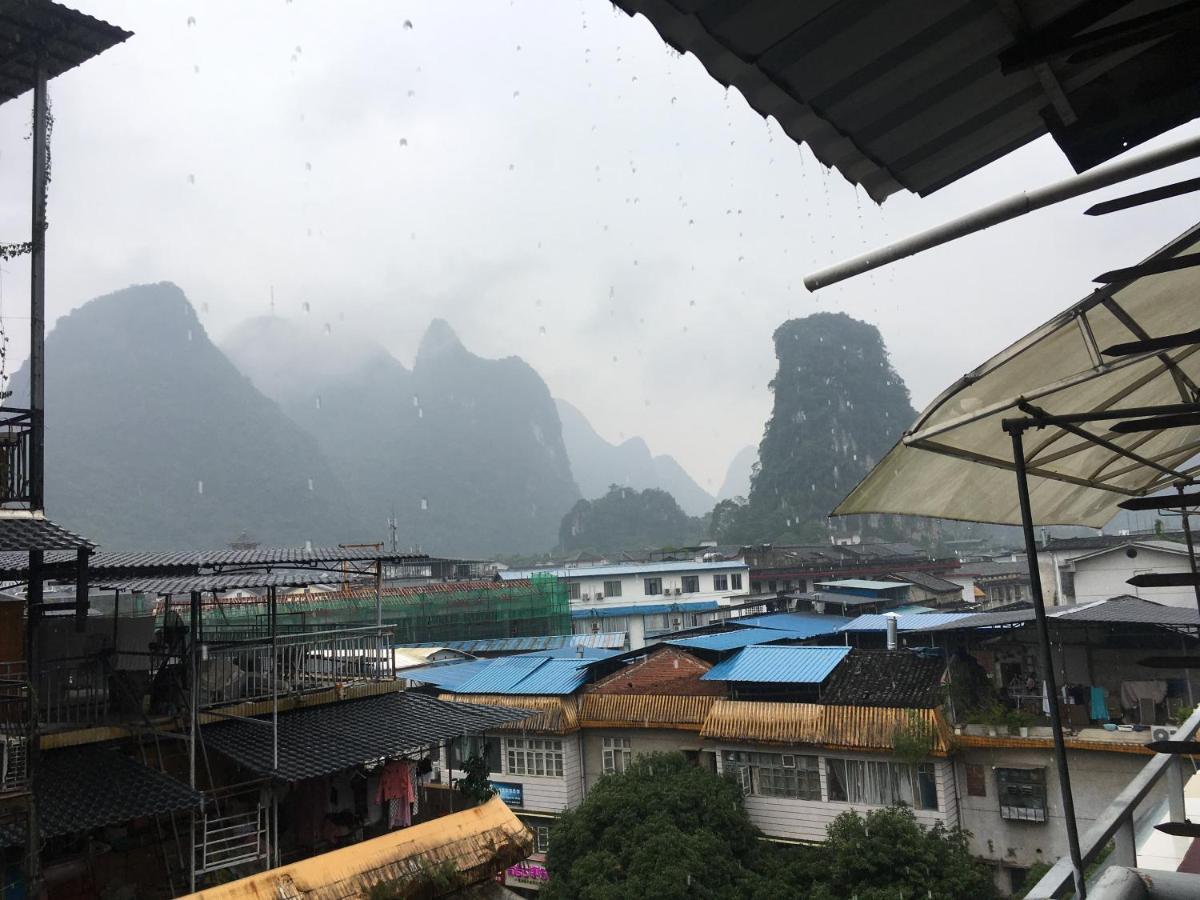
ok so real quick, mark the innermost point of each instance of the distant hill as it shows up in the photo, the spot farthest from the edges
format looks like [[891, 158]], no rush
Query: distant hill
[[737, 476], [627, 519], [597, 464], [466, 452], [155, 440]]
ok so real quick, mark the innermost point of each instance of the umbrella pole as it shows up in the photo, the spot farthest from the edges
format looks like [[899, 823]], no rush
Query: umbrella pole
[[1016, 431]]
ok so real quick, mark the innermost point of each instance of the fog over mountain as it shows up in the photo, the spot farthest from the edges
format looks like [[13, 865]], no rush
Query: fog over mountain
[[737, 476], [155, 440], [597, 464]]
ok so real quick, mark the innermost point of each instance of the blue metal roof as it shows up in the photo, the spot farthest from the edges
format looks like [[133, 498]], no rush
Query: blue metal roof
[[526, 675], [612, 640], [778, 665], [447, 675], [581, 653], [910, 622], [648, 568], [862, 584], [802, 624], [732, 640], [644, 609]]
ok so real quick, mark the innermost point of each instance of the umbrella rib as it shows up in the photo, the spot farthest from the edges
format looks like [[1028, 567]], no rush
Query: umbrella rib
[[1179, 454], [1187, 388], [970, 455]]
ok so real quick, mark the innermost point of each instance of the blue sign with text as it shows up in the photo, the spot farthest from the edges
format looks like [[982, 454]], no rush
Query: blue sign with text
[[511, 794]]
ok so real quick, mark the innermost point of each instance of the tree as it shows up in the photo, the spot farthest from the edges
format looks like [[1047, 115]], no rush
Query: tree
[[669, 829], [627, 519]]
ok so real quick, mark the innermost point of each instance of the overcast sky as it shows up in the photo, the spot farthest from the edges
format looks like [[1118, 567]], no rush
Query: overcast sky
[[546, 175]]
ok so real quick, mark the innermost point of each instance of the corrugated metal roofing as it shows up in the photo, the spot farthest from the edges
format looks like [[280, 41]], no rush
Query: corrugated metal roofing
[[467, 848], [643, 710], [911, 93], [904, 622], [648, 568], [731, 640], [862, 584], [1118, 610], [555, 715], [835, 727], [805, 624], [601, 611], [605, 640], [929, 582], [237, 581], [448, 675], [69, 38], [778, 665], [324, 739], [526, 675]]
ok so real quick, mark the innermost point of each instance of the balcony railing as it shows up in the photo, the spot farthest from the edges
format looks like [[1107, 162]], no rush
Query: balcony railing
[[1116, 824], [240, 672], [14, 728], [15, 429]]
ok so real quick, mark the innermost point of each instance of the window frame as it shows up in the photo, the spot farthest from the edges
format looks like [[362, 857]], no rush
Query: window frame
[[735, 581], [689, 584], [881, 783], [541, 839], [768, 775], [574, 590], [608, 588], [531, 757], [720, 582], [657, 584], [616, 755]]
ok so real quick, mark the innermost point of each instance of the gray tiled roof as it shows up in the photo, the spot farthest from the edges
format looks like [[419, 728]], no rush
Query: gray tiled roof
[[326, 739], [897, 678], [25, 533]]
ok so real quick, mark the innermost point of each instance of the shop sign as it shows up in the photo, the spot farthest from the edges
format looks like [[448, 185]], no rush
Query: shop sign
[[528, 874], [511, 794]]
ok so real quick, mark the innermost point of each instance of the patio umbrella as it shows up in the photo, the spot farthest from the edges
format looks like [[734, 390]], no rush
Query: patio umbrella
[[957, 462]]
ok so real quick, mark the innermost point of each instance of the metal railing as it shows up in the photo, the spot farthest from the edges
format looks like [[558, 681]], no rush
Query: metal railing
[[1116, 823], [73, 691], [232, 839], [14, 728], [249, 671], [15, 429]]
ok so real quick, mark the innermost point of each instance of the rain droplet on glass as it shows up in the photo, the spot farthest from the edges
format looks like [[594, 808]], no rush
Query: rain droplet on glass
[[424, 503], [310, 484], [191, 20], [318, 401], [408, 24], [199, 487], [403, 142]]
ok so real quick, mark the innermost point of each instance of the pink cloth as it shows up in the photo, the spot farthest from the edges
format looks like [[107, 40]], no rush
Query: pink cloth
[[396, 787]]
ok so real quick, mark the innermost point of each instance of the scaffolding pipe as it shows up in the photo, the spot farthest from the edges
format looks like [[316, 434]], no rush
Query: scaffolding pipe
[[1009, 208]]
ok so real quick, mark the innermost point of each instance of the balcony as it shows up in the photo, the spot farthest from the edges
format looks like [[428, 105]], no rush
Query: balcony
[[129, 686], [15, 428], [1120, 879]]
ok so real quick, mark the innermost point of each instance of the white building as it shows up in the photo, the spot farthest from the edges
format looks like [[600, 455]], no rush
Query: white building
[[648, 598], [1101, 574]]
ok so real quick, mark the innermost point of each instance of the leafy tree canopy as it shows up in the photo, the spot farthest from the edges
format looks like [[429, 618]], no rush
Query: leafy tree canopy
[[627, 519], [668, 829]]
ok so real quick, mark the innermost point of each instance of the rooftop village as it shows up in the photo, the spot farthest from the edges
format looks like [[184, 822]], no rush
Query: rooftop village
[[302, 722]]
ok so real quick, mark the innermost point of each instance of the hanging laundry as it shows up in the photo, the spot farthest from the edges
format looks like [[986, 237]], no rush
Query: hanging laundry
[[396, 787]]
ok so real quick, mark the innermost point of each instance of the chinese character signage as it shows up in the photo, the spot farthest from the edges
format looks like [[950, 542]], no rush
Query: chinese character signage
[[529, 874], [512, 794]]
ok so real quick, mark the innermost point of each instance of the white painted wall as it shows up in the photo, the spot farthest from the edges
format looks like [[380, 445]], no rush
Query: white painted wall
[[542, 794], [807, 820], [1105, 576]]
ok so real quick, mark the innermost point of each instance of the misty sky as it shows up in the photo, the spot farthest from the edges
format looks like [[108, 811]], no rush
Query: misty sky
[[546, 175]]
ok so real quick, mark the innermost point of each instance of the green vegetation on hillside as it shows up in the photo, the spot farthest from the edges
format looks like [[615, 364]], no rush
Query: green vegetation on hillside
[[625, 519]]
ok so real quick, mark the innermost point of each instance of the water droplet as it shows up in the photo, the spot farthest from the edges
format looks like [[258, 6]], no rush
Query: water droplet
[[673, 99], [318, 401], [403, 142], [199, 487], [516, 94], [191, 21], [310, 484], [424, 503], [308, 166], [189, 335], [542, 330], [328, 328], [691, 303], [408, 24], [412, 93], [191, 179], [196, 70], [511, 167], [305, 306]]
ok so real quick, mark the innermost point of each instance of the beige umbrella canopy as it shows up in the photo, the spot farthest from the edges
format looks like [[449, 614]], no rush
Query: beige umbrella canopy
[[956, 462]]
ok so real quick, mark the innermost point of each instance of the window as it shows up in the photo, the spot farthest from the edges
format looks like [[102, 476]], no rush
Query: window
[[691, 584], [720, 582], [534, 756], [542, 835], [976, 780], [775, 774], [870, 783], [573, 590], [653, 586], [617, 755], [1022, 794], [612, 589], [465, 747], [735, 581]]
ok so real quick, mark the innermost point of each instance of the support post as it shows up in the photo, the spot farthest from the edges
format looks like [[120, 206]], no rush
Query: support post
[[1124, 851], [81, 589], [271, 621], [1175, 800], [1187, 534], [379, 593], [37, 297], [193, 719], [33, 613], [1016, 431]]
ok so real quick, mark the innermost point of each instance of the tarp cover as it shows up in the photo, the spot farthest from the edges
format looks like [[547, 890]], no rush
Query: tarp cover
[[956, 461]]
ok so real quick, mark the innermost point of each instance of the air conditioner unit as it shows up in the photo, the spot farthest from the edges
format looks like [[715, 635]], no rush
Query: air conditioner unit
[[678, 591], [599, 596], [587, 597], [789, 761], [1162, 733]]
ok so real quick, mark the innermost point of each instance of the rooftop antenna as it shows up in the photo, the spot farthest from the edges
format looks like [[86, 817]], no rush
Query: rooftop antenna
[[392, 526]]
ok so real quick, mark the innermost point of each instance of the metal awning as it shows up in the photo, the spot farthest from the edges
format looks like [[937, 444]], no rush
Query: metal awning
[[82, 788], [232, 582], [956, 462], [915, 94], [63, 37], [20, 533], [325, 739]]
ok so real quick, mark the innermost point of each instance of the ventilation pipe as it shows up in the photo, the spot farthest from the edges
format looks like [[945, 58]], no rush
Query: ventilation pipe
[[893, 630]]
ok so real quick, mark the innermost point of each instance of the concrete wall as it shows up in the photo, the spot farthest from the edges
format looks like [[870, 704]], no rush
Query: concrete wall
[[807, 820], [1105, 576], [641, 740], [1096, 778]]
